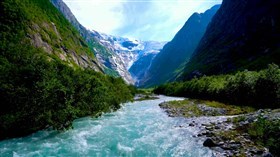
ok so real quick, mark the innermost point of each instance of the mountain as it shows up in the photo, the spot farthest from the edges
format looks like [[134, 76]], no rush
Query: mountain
[[126, 53], [116, 54], [117, 58], [145, 59], [171, 59], [111, 63], [244, 34], [45, 33], [48, 74], [92, 38]]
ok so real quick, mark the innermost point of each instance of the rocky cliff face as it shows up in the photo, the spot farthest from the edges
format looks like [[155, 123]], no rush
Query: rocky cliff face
[[110, 63], [169, 62], [116, 54], [39, 35], [49, 32], [116, 57], [244, 34]]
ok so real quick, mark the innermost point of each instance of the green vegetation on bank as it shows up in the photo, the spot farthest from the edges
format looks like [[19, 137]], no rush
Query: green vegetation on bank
[[263, 132], [257, 89], [194, 108], [145, 91], [37, 93], [229, 109], [37, 89]]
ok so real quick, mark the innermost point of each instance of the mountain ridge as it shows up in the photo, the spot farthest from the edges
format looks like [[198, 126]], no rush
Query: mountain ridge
[[169, 62], [111, 51], [242, 35]]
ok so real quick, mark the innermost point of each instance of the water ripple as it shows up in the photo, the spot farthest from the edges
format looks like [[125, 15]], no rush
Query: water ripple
[[137, 129]]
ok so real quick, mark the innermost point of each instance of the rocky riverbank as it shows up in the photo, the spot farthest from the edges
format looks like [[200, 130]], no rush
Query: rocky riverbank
[[229, 131]]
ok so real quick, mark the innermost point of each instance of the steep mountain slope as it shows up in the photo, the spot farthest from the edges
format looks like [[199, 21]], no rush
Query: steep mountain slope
[[92, 38], [141, 66], [116, 54], [169, 62], [45, 33], [111, 63], [48, 74], [244, 34], [114, 61]]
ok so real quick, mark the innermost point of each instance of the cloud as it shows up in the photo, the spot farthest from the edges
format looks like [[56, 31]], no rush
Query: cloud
[[156, 20], [100, 15]]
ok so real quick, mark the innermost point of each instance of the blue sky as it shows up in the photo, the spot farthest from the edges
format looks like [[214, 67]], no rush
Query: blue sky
[[157, 20]]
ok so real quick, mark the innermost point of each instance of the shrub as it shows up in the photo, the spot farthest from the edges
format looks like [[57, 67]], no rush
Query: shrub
[[266, 133], [258, 89]]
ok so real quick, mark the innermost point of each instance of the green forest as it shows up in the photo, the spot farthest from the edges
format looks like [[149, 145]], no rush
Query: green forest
[[247, 88], [38, 90]]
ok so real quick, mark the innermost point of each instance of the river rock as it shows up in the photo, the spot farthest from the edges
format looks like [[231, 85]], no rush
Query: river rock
[[209, 143], [267, 154], [221, 143], [198, 135], [209, 128], [191, 124], [232, 142], [217, 127]]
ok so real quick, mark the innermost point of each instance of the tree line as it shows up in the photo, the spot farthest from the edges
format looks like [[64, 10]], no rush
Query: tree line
[[258, 89]]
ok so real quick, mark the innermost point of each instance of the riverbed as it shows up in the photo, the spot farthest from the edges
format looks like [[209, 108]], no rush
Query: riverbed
[[138, 129]]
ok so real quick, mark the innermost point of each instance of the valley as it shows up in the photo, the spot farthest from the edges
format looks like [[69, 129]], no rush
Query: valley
[[116, 54], [212, 89]]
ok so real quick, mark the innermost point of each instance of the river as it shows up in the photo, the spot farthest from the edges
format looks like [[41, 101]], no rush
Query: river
[[138, 129]]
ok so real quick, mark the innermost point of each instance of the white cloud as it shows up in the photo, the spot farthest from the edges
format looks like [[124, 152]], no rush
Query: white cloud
[[100, 15], [140, 19]]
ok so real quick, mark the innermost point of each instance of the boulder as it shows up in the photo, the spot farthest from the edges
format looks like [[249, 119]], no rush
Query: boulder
[[209, 143]]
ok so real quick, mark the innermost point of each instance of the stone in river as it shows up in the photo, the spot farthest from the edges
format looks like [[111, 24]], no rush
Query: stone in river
[[209, 143]]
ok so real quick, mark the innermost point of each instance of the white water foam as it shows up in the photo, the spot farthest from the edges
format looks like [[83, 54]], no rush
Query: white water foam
[[137, 129]]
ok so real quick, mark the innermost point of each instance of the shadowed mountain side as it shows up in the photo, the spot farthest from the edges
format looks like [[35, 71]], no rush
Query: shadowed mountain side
[[242, 35], [170, 61]]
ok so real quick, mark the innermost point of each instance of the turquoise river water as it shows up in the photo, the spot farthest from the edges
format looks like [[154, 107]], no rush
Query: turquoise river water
[[138, 129]]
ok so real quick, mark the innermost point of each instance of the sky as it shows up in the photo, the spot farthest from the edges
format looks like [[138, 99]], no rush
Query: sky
[[146, 20]]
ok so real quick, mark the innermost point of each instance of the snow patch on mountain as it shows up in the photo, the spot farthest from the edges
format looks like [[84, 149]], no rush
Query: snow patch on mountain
[[126, 52]]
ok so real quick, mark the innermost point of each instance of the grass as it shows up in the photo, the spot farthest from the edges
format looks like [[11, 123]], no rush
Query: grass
[[145, 94], [145, 91], [186, 107], [266, 133], [189, 108], [230, 135], [230, 109], [262, 133]]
